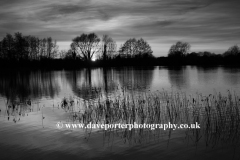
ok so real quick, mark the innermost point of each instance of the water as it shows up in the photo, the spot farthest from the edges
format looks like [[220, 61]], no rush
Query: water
[[28, 135]]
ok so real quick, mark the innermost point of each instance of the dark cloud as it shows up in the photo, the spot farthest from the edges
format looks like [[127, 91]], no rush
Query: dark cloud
[[70, 9], [200, 22], [4, 3]]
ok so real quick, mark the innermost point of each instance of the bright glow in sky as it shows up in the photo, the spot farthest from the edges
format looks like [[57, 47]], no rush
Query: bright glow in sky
[[211, 25]]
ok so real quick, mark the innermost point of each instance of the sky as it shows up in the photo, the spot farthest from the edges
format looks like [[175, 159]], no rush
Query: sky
[[208, 25]]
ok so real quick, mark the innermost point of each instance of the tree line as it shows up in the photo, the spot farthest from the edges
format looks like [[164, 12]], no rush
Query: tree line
[[179, 54], [182, 50], [86, 47], [18, 47]]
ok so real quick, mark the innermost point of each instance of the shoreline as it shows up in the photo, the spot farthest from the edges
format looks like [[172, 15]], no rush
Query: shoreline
[[58, 64]]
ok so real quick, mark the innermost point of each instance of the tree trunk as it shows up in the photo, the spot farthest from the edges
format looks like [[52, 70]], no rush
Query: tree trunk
[[104, 52]]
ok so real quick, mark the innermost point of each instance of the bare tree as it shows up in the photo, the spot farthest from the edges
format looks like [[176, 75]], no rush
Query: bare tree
[[52, 48], [232, 51], [108, 47], [19, 47], [8, 47], [88, 44], [129, 48], [62, 54], [143, 49], [136, 48], [1, 50], [43, 45], [73, 51], [179, 49]]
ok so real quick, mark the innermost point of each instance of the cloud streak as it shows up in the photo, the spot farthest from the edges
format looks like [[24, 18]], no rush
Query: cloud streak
[[200, 22]]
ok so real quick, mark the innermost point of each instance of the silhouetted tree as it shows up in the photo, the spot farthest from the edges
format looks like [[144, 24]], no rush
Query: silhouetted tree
[[32, 47], [73, 51], [179, 49], [43, 50], [232, 51], [129, 48], [108, 47], [143, 49], [1, 50], [193, 55], [136, 48], [88, 45], [70, 54], [52, 48], [19, 47], [62, 54], [8, 47], [48, 48], [208, 54]]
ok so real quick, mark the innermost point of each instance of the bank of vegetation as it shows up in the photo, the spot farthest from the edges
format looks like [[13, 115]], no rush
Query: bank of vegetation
[[88, 50]]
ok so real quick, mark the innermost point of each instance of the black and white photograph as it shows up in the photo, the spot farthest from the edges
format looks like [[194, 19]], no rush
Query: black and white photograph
[[119, 79]]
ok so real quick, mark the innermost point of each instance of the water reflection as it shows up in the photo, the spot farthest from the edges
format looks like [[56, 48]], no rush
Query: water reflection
[[25, 84], [92, 83], [219, 123], [103, 82], [17, 109], [208, 74], [81, 83], [232, 76], [138, 79], [179, 77], [109, 80], [217, 116]]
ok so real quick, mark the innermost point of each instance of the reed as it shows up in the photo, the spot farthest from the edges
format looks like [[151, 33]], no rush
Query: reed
[[218, 115]]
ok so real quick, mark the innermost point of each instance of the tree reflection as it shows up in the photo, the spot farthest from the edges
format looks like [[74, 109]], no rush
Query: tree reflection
[[207, 74], [24, 85], [85, 83], [178, 77], [110, 80], [17, 109], [92, 83], [137, 79], [232, 76]]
